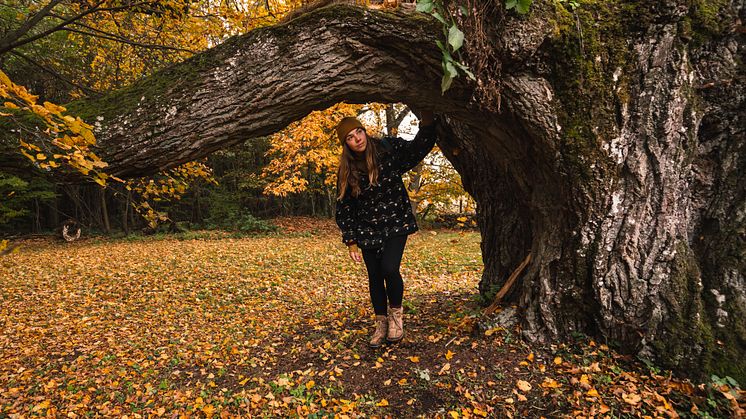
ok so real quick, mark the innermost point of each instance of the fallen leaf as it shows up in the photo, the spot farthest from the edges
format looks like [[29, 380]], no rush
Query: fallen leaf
[[632, 399], [523, 385]]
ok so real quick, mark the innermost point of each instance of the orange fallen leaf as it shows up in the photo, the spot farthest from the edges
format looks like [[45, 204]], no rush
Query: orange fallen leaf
[[550, 383]]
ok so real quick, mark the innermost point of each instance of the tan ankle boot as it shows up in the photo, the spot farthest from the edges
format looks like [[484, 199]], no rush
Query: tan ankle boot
[[379, 335], [396, 324]]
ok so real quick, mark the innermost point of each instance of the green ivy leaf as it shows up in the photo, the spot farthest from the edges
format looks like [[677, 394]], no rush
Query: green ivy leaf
[[445, 83], [455, 37], [511, 4], [425, 6], [439, 17], [464, 10], [465, 69], [450, 69], [523, 6]]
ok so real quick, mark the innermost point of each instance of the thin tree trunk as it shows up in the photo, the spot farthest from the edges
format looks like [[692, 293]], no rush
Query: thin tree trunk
[[36, 228], [125, 213], [105, 211]]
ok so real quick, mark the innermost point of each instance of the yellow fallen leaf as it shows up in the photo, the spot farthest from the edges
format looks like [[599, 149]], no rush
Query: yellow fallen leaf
[[490, 332], [387, 382], [479, 412], [449, 355], [453, 414], [402, 381], [523, 385], [592, 392], [557, 361], [414, 358], [530, 357], [310, 384], [383, 403]]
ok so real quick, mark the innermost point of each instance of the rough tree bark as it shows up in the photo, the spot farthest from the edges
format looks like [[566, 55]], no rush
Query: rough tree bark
[[615, 157]]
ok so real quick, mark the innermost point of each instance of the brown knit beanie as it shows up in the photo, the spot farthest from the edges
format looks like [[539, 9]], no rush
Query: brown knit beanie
[[346, 125]]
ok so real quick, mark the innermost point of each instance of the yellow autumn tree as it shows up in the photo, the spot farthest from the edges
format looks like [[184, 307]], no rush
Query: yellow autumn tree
[[66, 139], [305, 155]]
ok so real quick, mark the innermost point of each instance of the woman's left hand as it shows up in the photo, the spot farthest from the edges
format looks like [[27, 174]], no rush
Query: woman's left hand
[[355, 253]]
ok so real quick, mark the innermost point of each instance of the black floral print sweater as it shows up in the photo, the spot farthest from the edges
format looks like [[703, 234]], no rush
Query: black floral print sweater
[[383, 210]]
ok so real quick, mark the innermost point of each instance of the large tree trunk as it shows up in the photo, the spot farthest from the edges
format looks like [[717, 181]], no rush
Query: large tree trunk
[[607, 141]]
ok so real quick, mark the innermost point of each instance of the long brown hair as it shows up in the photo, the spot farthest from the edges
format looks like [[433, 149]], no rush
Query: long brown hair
[[349, 161]]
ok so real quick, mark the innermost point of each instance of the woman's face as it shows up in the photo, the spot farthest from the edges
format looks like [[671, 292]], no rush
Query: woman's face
[[357, 140]]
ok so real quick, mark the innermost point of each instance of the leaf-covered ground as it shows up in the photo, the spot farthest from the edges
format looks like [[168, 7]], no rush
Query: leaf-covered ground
[[210, 325]]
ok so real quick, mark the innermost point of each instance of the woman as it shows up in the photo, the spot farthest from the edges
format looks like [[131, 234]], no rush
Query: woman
[[375, 215]]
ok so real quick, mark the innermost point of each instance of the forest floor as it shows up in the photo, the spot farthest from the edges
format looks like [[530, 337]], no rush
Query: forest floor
[[277, 325]]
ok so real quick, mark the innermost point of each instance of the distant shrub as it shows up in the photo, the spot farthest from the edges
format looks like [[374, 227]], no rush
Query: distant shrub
[[235, 220]]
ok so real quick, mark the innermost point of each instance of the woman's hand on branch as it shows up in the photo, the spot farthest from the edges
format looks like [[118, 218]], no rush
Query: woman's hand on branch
[[355, 253]]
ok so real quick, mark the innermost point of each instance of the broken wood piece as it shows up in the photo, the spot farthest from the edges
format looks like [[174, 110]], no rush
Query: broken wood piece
[[508, 284]]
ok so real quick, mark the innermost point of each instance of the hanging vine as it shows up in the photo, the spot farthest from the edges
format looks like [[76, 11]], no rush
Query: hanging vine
[[453, 62]]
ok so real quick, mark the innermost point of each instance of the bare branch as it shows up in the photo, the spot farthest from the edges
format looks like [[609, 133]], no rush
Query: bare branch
[[66, 21], [13, 36], [55, 74], [118, 38]]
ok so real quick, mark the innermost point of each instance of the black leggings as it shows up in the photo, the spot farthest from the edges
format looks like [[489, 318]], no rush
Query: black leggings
[[383, 266]]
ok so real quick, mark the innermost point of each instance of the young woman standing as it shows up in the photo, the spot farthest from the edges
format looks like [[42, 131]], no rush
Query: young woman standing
[[375, 215]]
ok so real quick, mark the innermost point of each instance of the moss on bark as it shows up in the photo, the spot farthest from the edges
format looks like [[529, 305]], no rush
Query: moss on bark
[[692, 332]]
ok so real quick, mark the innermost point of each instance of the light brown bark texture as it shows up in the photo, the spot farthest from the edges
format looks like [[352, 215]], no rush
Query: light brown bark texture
[[616, 157]]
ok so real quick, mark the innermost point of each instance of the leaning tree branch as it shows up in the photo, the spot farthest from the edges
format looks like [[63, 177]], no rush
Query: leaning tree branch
[[256, 84]]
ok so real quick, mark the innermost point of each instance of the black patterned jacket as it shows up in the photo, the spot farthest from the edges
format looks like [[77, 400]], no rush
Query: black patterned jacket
[[382, 211]]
